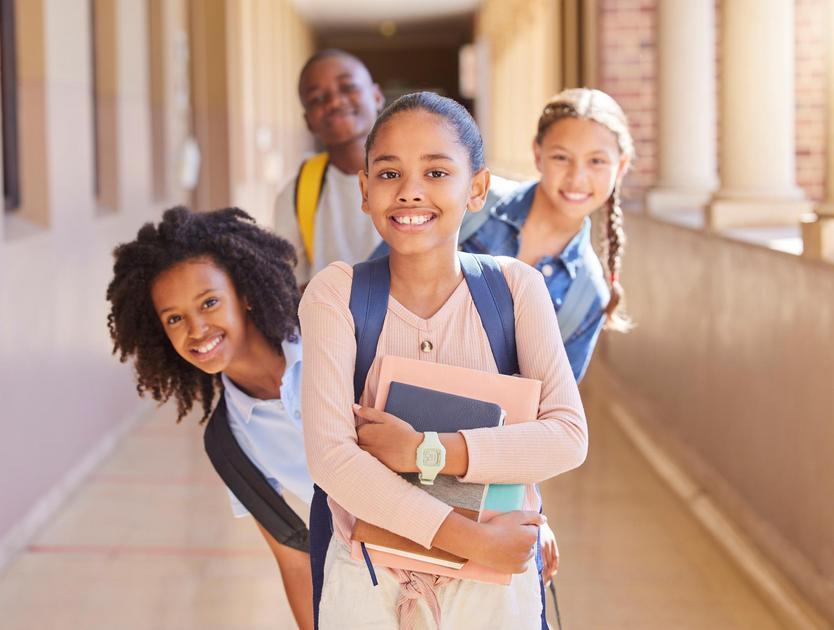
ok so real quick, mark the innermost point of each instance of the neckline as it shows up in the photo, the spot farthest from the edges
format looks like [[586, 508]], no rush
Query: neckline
[[439, 318]]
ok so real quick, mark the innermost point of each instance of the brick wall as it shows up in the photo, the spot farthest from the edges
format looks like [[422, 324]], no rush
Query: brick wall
[[627, 71], [810, 97]]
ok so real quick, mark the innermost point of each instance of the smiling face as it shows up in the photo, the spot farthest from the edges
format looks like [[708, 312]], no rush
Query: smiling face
[[340, 100], [580, 163], [419, 183], [202, 314]]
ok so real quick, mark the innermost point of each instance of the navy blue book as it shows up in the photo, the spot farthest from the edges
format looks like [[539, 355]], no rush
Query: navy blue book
[[431, 410]]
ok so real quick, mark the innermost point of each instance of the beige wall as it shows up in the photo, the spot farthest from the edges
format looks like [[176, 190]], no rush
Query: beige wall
[[519, 39], [170, 95], [732, 361], [32, 136], [268, 44], [63, 394], [247, 117], [61, 390]]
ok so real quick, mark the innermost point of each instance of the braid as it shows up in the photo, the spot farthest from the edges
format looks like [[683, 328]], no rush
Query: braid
[[614, 245]]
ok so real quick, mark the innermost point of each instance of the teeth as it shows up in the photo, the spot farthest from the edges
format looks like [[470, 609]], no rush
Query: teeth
[[211, 345], [413, 220], [576, 196]]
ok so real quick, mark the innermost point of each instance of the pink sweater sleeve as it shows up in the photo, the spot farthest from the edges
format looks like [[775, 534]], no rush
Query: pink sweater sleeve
[[557, 441], [356, 480]]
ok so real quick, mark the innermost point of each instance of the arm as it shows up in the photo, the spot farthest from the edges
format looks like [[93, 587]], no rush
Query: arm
[[358, 481], [355, 479], [294, 566], [550, 553], [557, 440], [553, 443]]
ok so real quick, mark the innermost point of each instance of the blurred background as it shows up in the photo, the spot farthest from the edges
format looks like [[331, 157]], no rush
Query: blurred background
[[708, 497]]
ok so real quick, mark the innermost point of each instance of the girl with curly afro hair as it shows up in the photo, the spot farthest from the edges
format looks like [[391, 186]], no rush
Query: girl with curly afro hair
[[206, 303]]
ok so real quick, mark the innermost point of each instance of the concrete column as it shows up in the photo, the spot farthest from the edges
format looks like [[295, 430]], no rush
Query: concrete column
[[818, 231], [758, 185], [687, 174]]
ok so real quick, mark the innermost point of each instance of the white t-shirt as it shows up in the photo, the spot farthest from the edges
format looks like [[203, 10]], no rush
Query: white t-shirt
[[342, 230]]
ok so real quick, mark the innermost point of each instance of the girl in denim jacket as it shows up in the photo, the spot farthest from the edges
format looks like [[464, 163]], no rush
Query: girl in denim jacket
[[582, 149]]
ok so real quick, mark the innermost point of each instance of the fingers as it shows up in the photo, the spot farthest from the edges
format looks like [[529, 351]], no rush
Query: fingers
[[550, 561], [370, 414], [555, 557], [533, 518]]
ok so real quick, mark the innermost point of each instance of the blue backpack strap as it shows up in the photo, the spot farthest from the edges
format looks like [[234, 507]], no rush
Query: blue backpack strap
[[494, 302], [368, 305]]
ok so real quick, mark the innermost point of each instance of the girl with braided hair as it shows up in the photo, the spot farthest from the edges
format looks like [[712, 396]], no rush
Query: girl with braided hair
[[582, 149], [206, 303]]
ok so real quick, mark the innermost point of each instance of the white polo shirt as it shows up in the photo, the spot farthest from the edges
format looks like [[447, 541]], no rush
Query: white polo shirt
[[270, 431]]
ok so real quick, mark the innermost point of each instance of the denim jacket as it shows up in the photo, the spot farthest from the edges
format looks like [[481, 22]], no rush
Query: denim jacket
[[500, 236]]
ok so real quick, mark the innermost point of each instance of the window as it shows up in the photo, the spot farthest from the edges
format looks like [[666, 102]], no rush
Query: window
[[8, 78]]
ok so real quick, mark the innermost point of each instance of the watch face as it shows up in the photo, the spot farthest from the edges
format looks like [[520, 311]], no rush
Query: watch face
[[431, 457]]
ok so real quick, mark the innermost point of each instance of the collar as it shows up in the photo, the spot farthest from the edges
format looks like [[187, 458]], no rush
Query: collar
[[245, 403], [514, 208]]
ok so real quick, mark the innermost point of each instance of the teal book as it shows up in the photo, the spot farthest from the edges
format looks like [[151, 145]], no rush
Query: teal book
[[504, 497]]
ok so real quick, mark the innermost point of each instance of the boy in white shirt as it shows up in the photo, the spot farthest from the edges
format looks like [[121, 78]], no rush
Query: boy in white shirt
[[341, 103]]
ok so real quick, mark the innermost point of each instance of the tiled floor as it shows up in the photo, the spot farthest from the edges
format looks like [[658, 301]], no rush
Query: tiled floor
[[148, 543]]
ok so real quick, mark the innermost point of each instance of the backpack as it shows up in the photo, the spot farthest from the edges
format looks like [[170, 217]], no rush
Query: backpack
[[310, 182], [308, 187], [368, 305], [249, 485]]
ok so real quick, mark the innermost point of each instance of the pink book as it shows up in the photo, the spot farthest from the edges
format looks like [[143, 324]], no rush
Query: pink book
[[519, 397]]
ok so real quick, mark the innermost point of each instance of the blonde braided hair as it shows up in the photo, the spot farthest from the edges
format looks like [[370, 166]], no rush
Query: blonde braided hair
[[595, 105]]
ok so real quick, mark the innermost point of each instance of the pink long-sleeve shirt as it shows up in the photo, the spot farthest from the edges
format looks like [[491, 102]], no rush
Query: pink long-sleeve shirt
[[359, 485]]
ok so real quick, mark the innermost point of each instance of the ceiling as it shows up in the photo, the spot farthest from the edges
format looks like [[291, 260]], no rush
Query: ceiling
[[360, 14]]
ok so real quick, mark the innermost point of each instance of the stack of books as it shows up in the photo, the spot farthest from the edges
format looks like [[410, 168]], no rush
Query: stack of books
[[446, 399]]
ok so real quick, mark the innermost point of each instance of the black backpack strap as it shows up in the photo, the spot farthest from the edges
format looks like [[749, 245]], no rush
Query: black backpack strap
[[368, 305], [249, 485], [494, 302]]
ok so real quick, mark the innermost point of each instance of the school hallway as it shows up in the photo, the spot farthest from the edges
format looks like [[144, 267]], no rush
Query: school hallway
[[148, 543], [706, 499]]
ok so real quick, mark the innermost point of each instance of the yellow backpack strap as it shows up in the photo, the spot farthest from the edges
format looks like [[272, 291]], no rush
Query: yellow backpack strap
[[308, 187]]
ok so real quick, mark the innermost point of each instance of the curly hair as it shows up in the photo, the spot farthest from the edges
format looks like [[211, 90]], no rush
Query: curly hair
[[259, 263]]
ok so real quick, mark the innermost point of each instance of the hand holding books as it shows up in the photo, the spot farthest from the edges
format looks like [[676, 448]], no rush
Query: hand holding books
[[391, 440], [394, 442], [493, 535], [505, 544]]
